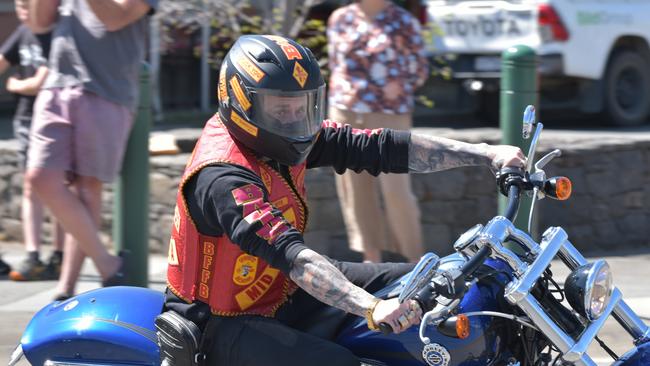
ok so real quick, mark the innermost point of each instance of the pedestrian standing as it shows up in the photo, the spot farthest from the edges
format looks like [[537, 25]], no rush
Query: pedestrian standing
[[28, 52], [377, 61], [82, 119]]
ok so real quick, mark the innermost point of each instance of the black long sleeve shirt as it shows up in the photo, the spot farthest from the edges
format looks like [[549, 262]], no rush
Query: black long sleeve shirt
[[211, 204]]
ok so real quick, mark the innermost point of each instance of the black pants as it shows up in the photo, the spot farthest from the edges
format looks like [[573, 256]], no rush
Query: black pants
[[294, 336]]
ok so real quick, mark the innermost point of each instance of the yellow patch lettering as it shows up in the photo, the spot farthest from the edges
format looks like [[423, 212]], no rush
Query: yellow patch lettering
[[290, 216], [172, 255], [204, 290], [257, 289]]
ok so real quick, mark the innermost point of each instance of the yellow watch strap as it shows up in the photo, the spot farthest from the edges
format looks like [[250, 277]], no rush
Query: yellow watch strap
[[371, 323]]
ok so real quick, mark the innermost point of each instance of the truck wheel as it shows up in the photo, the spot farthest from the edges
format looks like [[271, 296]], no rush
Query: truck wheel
[[627, 89]]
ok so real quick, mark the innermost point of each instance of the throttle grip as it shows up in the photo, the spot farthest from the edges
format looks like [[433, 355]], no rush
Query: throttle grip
[[509, 176], [426, 298]]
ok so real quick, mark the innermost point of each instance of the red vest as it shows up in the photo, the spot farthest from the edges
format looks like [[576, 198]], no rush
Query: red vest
[[213, 269]]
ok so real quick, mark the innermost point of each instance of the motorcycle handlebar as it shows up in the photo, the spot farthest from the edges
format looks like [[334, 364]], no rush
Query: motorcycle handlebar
[[510, 180], [511, 183], [513, 202]]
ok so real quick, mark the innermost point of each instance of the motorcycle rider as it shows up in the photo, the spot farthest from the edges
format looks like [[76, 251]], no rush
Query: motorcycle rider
[[237, 255]]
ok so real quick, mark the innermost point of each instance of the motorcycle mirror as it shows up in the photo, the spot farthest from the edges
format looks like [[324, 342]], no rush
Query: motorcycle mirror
[[420, 276], [529, 121]]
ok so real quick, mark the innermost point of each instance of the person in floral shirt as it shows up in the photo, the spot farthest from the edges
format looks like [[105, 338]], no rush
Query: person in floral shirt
[[377, 61]]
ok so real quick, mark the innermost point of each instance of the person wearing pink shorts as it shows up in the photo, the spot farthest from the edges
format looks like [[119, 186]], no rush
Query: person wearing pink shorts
[[79, 133], [82, 119]]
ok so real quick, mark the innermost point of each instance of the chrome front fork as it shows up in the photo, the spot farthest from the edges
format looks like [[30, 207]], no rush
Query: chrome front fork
[[518, 292]]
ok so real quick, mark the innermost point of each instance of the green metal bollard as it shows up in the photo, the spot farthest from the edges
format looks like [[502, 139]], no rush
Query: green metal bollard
[[519, 88], [131, 194]]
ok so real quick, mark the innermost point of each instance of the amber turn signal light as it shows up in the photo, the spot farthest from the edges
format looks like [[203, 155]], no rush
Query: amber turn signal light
[[558, 188], [462, 326], [455, 326]]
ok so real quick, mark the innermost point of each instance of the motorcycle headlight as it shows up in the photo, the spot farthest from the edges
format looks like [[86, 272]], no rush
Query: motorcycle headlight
[[588, 289]]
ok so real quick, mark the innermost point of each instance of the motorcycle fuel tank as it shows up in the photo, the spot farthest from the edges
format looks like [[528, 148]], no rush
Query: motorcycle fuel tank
[[107, 326], [405, 349]]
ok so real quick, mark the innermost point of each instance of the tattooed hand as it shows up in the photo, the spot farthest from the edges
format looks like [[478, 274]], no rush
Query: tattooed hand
[[400, 317], [505, 156]]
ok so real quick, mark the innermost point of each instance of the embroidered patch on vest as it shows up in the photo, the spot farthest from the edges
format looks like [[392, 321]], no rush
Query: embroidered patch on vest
[[255, 291], [177, 220], [206, 269], [245, 269], [290, 216], [172, 255], [266, 179]]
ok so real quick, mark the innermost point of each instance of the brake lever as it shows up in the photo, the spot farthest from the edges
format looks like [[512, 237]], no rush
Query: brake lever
[[546, 159]]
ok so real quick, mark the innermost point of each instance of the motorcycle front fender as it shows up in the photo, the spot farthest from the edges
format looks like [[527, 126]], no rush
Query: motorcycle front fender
[[637, 356]]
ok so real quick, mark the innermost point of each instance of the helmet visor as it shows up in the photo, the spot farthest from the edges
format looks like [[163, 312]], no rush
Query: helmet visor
[[296, 114]]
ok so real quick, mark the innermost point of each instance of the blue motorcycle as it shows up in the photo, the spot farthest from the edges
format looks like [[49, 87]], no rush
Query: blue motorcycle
[[493, 302]]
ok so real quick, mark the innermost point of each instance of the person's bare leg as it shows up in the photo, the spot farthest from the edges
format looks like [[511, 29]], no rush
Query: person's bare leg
[[77, 214], [58, 235], [71, 267], [32, 216]]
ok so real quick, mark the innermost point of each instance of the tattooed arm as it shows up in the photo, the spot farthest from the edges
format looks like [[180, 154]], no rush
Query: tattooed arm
[[319, 278], [430, 153], [322, 280]]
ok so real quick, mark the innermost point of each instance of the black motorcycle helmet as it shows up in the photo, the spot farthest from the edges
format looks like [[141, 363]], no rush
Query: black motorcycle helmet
[[271, 97]]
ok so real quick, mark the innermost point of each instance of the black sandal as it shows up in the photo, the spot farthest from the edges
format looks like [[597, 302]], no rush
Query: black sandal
[[62, 297], [120, 277]]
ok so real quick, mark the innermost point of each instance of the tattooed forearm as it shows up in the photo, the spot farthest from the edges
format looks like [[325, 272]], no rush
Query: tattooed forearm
[[429, 154], [322, 280]]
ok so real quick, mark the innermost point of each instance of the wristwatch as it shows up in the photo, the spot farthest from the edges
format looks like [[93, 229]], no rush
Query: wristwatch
[[371, 323]]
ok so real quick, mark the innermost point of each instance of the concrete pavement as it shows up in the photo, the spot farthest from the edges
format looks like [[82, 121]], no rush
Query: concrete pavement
[[19, 301]]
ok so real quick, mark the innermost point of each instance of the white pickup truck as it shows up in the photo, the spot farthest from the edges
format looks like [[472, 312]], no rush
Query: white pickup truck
[[594, 55]]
